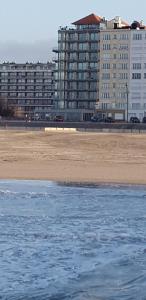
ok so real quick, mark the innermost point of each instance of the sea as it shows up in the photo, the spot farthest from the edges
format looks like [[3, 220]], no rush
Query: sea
[[72, 241]]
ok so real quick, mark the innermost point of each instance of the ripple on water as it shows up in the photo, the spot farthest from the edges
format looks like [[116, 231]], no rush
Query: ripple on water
[[72, 242]]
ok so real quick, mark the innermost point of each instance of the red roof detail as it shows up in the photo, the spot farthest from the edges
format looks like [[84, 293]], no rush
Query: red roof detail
[[89, 20]]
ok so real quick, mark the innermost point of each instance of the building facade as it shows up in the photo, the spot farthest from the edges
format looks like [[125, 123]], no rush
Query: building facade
[[101, 68], [28, 88], [114, 69], [122, 87], [137, 73], [77, 76]]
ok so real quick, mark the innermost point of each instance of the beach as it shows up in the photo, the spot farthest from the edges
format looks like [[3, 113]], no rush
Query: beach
[[83, 157]]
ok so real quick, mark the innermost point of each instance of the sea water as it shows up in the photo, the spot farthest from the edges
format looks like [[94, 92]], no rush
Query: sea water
[[72, 241]]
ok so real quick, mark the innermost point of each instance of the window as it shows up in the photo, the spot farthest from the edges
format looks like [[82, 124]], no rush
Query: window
[[82, 66], [106, 66], [12, 87], [123, 47], [93, 65], [82, 76], [105, 86], [38, 87], [106, 37], [29, 87], [136, 66], [105, 95], [21, 94], [82, 56], [123, 56], [94, 46], [137, 36], [94, 36], [122, 95], [123, 66], [135, 105], [106, 55], [106, 76], [124, 36], [83, 46], [106, 46], [136, 75], [13, 94], [123, 76], [83, 36]]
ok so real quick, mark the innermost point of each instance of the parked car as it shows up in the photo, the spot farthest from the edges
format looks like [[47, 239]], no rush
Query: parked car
[[94, 119], [109, 120], [58, 119], [134, 120], [144, 120]]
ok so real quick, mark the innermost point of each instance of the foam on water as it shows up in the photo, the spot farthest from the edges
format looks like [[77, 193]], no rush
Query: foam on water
[[72, 242]]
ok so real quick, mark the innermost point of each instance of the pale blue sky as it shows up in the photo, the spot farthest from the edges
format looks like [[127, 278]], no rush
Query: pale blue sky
[[30, 21]]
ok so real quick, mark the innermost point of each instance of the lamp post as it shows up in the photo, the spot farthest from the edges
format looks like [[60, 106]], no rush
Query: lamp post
[[127, 97]]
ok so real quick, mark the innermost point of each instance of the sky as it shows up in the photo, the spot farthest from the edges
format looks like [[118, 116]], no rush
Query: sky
[[28, 28]]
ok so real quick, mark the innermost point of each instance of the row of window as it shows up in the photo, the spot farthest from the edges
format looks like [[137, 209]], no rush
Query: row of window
[[82, 66], [24, 67], [123, 36], [122, 56], [80, 56], [26, 81], [24, 88], [14, 74], [30, 102], [93, 36], [107, 66], [120, 47], [107, 76], [13, 94], [82, 95], [106, 95], [123, 66]]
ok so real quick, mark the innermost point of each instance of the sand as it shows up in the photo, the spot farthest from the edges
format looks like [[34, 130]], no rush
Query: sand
[[73, 157]]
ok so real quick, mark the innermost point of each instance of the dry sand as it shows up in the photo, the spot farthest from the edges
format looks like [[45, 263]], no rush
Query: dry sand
[[75, 157]]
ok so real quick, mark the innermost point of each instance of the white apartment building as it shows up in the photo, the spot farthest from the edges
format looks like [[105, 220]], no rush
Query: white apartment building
[[122, 84], [137, 74]]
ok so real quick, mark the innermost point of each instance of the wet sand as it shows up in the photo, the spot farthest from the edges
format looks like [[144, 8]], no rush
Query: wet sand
[[73, 157]]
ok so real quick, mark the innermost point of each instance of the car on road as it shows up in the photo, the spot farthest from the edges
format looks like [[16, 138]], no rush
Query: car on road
[[94, 119], [134, 120], [109, 120], [144, 120], [102, 120], [58, 119]]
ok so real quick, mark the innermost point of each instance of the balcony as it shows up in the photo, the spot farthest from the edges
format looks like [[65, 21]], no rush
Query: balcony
[[55, 49]]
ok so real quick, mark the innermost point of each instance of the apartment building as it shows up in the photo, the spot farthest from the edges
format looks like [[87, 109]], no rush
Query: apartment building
[[101, 68], [114, 69], [122, 87], [28, 88], [77, 74], [137, 71]]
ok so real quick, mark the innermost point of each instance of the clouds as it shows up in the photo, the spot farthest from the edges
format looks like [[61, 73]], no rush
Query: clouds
[[40, 50]]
